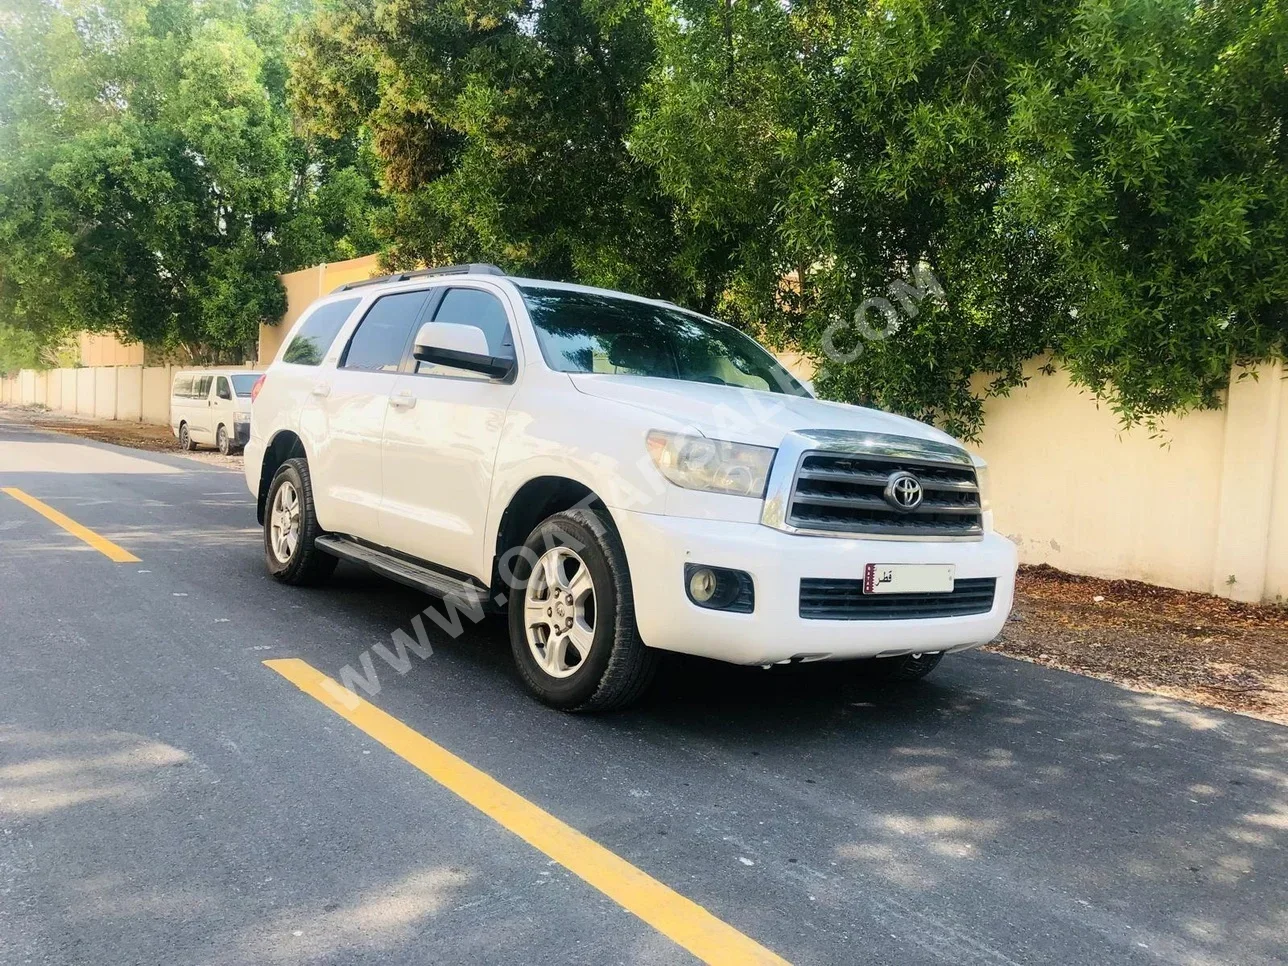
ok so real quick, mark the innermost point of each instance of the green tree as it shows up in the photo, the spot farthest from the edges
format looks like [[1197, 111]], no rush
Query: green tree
[[499, 131], [149, 178], [1151, 150], [1101, 179]]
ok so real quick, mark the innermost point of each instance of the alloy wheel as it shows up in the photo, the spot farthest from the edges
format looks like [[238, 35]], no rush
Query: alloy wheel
[[559, 612], [284, 530]]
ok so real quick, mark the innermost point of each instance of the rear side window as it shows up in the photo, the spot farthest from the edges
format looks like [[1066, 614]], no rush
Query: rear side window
[[183, 386], [319, 330], [382, 336]]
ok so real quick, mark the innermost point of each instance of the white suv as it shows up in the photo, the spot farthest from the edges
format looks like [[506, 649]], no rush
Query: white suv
[[624, 476]]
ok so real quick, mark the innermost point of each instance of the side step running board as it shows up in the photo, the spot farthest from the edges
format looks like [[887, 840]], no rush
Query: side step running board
[[469, 593]]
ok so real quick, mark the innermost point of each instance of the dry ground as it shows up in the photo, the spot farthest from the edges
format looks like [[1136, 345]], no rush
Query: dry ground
[[1193, 646], [158, 439]]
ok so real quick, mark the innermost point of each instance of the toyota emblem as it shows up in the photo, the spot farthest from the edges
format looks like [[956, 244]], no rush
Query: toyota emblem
[[903, 491]]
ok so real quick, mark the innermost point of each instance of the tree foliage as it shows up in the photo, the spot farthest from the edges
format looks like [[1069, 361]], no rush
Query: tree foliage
[[851, 144], [1151, 150], [501, 129], [150, 182], [1103, 181]]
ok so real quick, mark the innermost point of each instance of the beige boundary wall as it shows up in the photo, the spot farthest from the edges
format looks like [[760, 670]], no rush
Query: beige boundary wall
[[1202, 506], [303, 287], [132, 393]]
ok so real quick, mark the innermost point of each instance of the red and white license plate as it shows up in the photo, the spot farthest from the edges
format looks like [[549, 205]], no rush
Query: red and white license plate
[[909, 578]]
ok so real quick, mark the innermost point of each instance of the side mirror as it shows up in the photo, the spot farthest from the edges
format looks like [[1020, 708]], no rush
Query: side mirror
[[461, 347]]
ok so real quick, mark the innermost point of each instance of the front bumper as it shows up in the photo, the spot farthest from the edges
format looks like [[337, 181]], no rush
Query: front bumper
[[658, 547]]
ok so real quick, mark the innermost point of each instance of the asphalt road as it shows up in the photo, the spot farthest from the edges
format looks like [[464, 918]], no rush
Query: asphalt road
[[167, 798]]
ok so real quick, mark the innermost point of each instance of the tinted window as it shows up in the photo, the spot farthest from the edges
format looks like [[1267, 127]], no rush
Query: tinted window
[[222, 390], [384, 332], [319, 330], [201, 388], [483, 310], [183, 386], [589, 332]]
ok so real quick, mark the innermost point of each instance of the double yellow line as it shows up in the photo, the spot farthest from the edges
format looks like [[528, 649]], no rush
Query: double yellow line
[[682, 920], [100, 543]]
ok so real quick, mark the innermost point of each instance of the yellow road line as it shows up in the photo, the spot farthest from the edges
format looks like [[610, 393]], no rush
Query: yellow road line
[[103, 545], [670, 913]]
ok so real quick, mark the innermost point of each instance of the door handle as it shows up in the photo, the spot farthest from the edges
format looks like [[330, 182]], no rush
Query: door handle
[[402, 400], [322, 389]]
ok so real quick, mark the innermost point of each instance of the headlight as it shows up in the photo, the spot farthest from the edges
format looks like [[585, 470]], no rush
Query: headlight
[[698, 463], [985, 486]]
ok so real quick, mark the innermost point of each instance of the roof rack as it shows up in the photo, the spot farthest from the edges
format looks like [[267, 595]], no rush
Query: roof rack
[[474, 268]]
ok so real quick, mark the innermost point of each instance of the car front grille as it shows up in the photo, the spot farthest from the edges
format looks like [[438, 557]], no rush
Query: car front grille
[[844, 600], [845, 493]]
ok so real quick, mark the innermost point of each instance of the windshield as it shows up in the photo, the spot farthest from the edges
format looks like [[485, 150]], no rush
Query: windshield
[[589, 332], [243, 384]]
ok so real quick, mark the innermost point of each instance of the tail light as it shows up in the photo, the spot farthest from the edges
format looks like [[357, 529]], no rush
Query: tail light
[[254, 390]]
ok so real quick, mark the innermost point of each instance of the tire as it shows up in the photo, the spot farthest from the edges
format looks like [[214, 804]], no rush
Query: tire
[[618, 667], [185, 439], [300, 562], [222, 441], [908, 667]]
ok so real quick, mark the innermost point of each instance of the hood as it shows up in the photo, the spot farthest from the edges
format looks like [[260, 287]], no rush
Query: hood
[[745, 415]]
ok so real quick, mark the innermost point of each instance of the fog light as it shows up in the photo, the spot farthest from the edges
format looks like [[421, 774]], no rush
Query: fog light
[[702, 585], [718, 588]]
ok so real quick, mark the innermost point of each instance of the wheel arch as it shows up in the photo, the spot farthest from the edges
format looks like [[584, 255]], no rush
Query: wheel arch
[[285, 444], [534, 501]]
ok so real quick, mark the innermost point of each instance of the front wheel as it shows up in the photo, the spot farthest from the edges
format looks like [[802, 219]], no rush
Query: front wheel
[[291, 527], [572, 616], [222, 441]]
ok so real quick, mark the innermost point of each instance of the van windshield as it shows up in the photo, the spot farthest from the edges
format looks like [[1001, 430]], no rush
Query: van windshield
[[591, 332], [244, 383]]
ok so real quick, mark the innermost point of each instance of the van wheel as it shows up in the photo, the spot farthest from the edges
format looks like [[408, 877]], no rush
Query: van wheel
[[291, 527], [572, 617], [221, 440], [185, 439], [907, 667]]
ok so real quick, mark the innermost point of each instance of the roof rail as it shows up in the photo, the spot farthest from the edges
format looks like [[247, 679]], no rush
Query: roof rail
[[474, 268]]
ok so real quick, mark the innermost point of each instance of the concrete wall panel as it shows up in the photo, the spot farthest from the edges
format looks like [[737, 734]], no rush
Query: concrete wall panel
[[85, 392], [105, 392], [155, 398], [129, 392]]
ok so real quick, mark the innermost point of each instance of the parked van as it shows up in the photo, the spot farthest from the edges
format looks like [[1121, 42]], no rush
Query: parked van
[[212, 407]]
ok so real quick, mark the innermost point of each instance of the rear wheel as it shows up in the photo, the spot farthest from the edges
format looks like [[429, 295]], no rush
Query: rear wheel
[[222, 441], [908, 667], [291, 527], [185, 439], [572, 617]]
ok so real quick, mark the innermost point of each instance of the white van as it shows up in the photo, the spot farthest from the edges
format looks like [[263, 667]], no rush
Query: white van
[[212, 407]]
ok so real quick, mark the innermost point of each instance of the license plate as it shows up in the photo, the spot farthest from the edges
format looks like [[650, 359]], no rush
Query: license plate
[[909, 578]]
